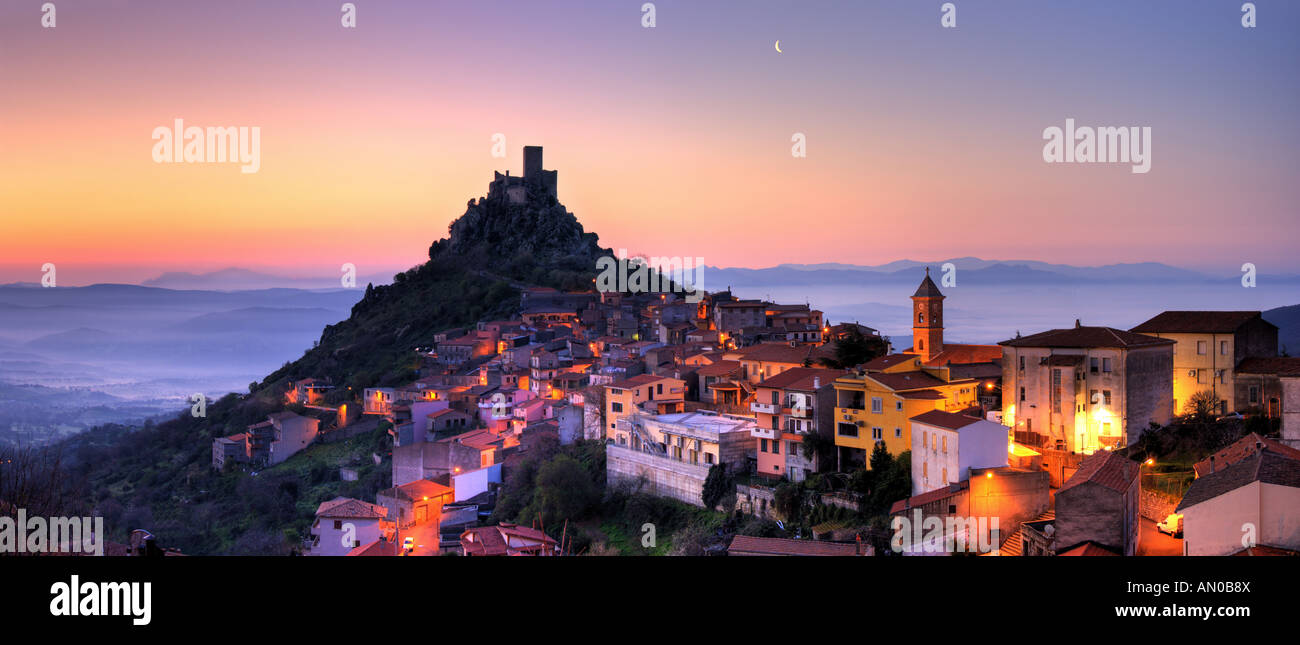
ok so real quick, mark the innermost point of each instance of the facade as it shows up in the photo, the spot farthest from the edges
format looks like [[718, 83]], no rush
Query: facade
[[293, 432], [623, 397], [506, 539], [671, 454], [1258, 386], [1209, 345], [947, 447], [1086, 389], [415, 503], [1099, 504], [798, 402]]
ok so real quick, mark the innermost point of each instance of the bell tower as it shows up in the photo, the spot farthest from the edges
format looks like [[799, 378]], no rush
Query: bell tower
[[927, 319]]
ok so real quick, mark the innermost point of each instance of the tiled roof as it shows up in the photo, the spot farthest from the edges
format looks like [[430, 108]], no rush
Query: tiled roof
[[958, 354], [1280, 365], [421, 488], [887, 361], [1106, 468], [1266, 467], [932, 395], [928, 289], [1240, 449], [636, 381], [346, 507], [1192, 322], [779, 546], [720, 368], [801, 378], [1086, 337], [782, 353], [941, 419], [379, 547], [929, 496], [916, 380]]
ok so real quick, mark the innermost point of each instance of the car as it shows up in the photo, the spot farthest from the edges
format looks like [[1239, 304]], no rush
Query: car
[[408, 544], [1173, 525], [1232, 416]]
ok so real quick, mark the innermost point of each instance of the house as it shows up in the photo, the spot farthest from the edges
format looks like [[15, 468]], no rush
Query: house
[[1085, 389], [744, 545], [415, 502], [343, 524], [378, 400], [458, 351], [1208, 347], [1006, 496], [448, 420], [506, 539], [622, 397], [758, 362], [1099, 504], [719, 383], [1247, 446], [1258, 387], [1253, 502], [293, 432], [307, 391], [789, 406], [231, 449], [947, 447], [672, 453]]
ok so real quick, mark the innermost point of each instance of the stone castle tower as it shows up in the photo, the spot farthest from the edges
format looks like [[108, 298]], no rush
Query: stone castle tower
[[515, 188], [927, 319]]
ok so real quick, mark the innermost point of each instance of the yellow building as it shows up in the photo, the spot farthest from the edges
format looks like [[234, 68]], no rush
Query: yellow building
[[623, 397], [1208, 346]]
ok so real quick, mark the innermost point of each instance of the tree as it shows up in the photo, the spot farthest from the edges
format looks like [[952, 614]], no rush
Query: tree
[[716, 486], [855, 348], [1202, 405], [821, 448], [564, 490]]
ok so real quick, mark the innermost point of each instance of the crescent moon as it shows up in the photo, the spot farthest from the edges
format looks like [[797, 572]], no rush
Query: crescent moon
[[778, 47]]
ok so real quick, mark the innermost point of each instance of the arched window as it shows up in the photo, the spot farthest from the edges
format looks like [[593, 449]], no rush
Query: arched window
[[920, 344], [920, 316]]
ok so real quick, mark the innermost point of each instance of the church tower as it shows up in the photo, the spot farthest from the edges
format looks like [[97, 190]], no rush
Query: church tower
[[927, 319]]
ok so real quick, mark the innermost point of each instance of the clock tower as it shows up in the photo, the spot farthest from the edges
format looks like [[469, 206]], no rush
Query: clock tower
[[927, 319]]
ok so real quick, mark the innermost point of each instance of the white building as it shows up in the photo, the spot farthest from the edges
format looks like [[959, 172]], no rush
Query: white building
[[1291, 410], [946, 446], [343, 524], [1253, 502]]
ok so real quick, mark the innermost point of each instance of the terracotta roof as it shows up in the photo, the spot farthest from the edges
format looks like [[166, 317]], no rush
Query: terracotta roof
[[1261, 549], [1280, 365], [801, 378], [1265, 466], [377, 548], [1106, 468], [932, 395], [420, 489], [780, 546], [1088, 548], [941, 419], [1240, 449], [782, 353], [1086, 337], [959, 354], [720, 368], [346, 507], [1196, 322], [929, 496], [635, 381], [916, 380], [887, 361], [491, 540]]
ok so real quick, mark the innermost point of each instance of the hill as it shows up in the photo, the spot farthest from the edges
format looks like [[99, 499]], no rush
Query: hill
[[159, 476]]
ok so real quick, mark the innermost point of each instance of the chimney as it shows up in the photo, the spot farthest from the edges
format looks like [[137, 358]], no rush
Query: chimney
[[817, 382], [1211, 463], [1076, 323]]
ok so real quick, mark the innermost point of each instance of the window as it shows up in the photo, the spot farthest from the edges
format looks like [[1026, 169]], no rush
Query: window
[[338, 525], [708, 457], [660, 387], [1200, 347], [616, 406], [1254, 394], [1105, 365], [920, 344], [877, 405], [945, 475], [1092, 365], [1223, 348], [1202, 376], [925, 469], [1092, 397], [898, 405], [1022, 394], [1106, 395], [878, 434], [1022, 363], [920, 316], [792, 449], [762, 445], [945, 445], [898, 433], [846, 429], [776, 447]]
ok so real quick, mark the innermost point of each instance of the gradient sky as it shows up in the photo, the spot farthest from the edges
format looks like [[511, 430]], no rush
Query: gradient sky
[[923, 142]]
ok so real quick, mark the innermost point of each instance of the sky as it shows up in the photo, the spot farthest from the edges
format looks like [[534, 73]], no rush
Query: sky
[[922, 142]]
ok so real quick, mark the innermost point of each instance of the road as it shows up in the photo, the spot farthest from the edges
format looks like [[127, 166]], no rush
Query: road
[[426, 538], [1152, 542]]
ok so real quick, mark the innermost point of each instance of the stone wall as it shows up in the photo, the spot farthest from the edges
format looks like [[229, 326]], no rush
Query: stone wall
[[1155, 506], [758, 501], [662, 476]]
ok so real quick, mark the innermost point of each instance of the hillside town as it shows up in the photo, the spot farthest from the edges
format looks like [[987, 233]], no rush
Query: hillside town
[[1039, 445]]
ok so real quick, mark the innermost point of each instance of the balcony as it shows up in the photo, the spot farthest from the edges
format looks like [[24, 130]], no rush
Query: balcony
[[765, 408], [799, 412]]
